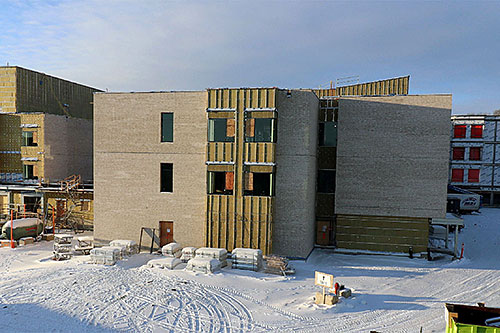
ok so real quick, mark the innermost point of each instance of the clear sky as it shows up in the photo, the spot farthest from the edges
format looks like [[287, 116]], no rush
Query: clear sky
[[141, 45]]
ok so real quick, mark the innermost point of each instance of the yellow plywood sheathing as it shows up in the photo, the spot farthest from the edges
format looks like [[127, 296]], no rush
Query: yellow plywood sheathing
[[395, 86]]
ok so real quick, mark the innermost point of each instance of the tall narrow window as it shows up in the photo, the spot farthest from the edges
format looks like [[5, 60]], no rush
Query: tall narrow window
[[221, 130], [476, 131], [166, 177], [458, 153], [473, 176], [459, 131], [260, 130], [328, 134], [475, 154], [29, 139], [28, 171], [457, 175], [167, 127]]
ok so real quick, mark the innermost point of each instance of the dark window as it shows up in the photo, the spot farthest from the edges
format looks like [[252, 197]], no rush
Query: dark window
[[167, 127], [259, 184], [473, 176], [326, 181], [458, 153], [29, 171], [475, 154], [328, 134], [457, 175], [221, 130], [260, 130], [476, 131], [459, 131], [29, 139], [220, 182], [166, 177]]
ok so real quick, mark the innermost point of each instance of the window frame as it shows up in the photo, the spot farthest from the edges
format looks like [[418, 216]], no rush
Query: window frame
[[476, 131], [33, 142], [166, 138], [479, 150], [211, 125], [271, 189], [455, 151], [476, 178], [273, 138], [459, 131], [211, 183], [455, 179], [322, 134]]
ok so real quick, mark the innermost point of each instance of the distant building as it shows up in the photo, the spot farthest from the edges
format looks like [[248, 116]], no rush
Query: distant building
[[362, 167], [475, 155]]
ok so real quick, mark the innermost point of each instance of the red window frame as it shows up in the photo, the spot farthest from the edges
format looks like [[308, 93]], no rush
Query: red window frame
[[458, 153], [457, 175], [476, 131], [473, 176], [459, 131], [475, 154]]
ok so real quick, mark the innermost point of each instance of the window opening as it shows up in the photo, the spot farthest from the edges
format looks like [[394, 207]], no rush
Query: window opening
[[328, 134], [29, 171], [476, 131], [166, 177], [259, 184], [326, 181], [473, 176], [458, 153], [457, 175], [260, 130], [459, 131], [221, 130], [475, 154], [167, 127], [220, 182], [29, 139]]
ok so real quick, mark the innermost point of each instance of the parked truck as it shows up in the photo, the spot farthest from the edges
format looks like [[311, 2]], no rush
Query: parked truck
[[462, 201]]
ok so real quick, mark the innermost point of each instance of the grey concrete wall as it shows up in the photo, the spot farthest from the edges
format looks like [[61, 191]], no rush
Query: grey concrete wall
[[127, 157], [294, 216], [67, 147], [393, 155]]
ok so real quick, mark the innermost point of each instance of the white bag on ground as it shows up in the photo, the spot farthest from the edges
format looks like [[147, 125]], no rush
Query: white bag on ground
[[188, 253], [203, 265], [249, 259], [130, 246], [215, 253], [172, 250], [169, 263]]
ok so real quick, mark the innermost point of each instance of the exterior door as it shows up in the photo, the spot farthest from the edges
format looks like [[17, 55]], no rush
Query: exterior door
[[166, 232]]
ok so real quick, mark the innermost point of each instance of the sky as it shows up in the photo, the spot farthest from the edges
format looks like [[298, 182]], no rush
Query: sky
[[445, 46]]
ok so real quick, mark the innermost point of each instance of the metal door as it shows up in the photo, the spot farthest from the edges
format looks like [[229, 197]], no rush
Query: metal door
[[166, 232]]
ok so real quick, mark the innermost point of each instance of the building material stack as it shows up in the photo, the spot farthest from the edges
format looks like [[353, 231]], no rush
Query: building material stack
[[130, 247], [169, 263], [106, 255], [188, 253], [203, 264], [278, 265], [172, 250], [249, 259], [213, 253], [62, 246], [85, 244]]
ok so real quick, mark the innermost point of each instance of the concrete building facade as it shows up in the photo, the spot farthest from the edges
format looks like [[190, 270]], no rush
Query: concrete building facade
[[263, 167]]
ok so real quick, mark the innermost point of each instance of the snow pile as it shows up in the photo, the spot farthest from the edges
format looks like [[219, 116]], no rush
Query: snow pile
[[203, 265], [22, 223], [172, 250], [130, 246], [188, 253], [213, 253], [249, 259], [169, 263]]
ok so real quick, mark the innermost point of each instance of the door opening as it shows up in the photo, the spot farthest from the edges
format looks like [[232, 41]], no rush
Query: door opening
[[166, 232]]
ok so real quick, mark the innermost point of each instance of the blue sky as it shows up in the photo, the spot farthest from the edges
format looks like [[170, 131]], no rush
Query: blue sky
[[446, 47]]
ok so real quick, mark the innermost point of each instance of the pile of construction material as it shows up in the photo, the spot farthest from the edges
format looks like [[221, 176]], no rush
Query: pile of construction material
[[85, 244], [129, 247], [203, 264], [278, 265], [212, 253], [249, 259], [172, 250], [188, 253], [62, 246], [26, 240], [106, 255], [169, 263]]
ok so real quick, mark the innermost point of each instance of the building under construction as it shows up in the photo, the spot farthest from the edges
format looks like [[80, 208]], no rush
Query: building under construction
[[45, 136], [361, 167]]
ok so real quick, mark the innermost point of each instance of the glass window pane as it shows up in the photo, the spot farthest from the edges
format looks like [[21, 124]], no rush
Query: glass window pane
[[218, 130], [260, 130], [328, 134], [326, 181], [167, 127], [166, 177]]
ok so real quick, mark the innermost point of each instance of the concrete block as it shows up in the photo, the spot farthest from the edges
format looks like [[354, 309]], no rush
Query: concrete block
[[329, 299], [48, 237], [26, 240]]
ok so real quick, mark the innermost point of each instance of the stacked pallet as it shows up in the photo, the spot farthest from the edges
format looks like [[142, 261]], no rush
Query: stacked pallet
[[203, 264], [62, 246], [130, 246], [169, 263], [278, 265], [249, 259], [213, 253], [188, 253], [106, 255], [172, 250]]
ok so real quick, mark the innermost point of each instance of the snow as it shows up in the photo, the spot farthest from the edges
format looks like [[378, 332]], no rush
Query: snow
[[390, 294], [22, 223]]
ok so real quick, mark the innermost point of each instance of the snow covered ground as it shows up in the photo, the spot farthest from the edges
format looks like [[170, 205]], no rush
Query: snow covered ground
[[391, 294]]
